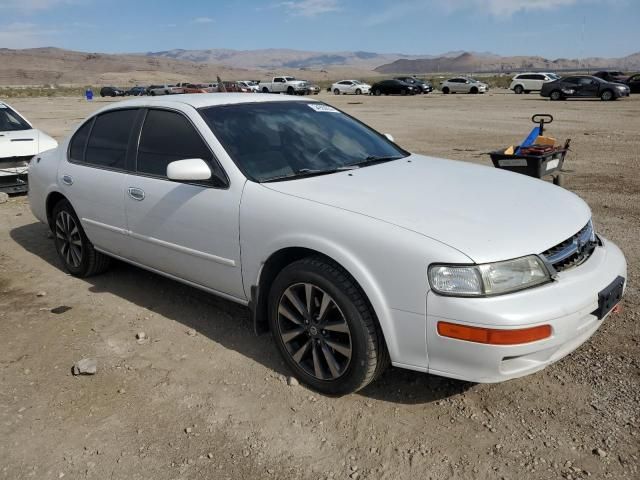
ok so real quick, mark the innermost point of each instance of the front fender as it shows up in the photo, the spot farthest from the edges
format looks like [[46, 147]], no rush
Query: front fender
[[388, 262]]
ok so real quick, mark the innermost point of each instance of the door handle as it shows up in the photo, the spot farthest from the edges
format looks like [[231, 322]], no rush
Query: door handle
[[136, 193], [67, 179]]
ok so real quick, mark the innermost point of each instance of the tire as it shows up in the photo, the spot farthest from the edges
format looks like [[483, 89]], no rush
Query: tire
[[290, 91], [358, 92], [75, 250], [607, 96], [474, 90], [518, 89], [403, 92], [152, 93], [265, 90], [377, 92], [336, 92], [445, 90], [527, 92], [555, 95], [338, 360]]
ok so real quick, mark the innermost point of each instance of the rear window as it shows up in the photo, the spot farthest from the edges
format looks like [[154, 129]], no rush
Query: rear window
[[79, 142], [10, 121]]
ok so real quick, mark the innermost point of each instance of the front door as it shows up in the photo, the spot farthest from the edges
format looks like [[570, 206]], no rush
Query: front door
[[188, 230]]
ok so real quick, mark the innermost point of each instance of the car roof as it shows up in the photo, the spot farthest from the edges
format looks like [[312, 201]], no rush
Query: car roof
[[201, 100]]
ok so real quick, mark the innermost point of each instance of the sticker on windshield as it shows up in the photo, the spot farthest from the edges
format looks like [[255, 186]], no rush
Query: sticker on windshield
[[320, 107]]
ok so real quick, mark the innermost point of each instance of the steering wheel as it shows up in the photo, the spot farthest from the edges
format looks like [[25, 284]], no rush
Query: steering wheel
[[321, 152]]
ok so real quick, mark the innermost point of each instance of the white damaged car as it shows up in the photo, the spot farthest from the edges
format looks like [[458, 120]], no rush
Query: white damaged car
[[19, 142], [353, 252]]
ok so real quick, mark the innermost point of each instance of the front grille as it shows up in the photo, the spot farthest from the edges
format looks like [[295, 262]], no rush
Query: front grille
[[574, 251]]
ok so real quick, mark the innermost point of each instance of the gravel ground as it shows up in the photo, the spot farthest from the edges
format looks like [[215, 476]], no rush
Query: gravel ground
[[201, 397]]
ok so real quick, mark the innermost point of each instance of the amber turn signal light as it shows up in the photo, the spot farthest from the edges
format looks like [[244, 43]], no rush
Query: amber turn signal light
[[494, 336]]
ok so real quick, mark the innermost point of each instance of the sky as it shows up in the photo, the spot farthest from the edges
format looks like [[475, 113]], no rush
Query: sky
[[549, 28]]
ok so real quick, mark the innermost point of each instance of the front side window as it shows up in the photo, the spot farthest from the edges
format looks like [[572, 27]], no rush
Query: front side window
[[10, 121], [168, 136], [109, 139], [277, 140]]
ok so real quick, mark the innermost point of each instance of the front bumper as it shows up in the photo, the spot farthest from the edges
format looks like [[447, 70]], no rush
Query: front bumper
[[566, 305]]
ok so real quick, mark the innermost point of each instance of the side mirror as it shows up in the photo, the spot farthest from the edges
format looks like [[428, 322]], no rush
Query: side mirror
[[190, 169], [390, 137]]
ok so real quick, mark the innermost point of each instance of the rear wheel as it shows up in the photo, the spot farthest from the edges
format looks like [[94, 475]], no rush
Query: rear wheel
[[73, 247], [518, 89], [324, 327], [555, 95], [265, 90], [607, 96], [527, 92], [336, 92], [445, 90]]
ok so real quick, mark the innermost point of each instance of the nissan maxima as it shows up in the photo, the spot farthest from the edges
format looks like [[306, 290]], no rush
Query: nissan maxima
[[352, 251]]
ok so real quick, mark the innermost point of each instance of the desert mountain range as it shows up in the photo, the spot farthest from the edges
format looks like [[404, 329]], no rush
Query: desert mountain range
[[38, 66]]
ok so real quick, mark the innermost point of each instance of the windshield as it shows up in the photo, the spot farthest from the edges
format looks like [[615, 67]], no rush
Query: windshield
[[10, 121], [281, 140]]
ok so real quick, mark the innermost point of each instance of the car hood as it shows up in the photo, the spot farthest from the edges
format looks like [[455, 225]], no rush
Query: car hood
[[486, 213], [23, 143]]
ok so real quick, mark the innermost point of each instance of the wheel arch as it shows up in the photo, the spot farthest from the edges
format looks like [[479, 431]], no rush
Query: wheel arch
[[53, 198], [283, 257]]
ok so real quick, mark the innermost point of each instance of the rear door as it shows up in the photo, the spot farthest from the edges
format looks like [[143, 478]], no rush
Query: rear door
[[93, 174], [186, 229]]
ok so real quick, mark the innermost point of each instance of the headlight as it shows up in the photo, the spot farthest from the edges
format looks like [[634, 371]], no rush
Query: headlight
[[621, 87], [488, 279]]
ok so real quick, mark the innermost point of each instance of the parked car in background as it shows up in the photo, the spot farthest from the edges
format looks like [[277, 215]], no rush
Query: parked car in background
[[288, 85], [19, 142], [354, 87], [111, 92], [154, 90], [249, 85], [584, 86], [136, 91], [612, 76], [463, 85], [312, 88], [531, 81], [634, 83], [393, 87], [422, 86], [482, 291], [193, 88]]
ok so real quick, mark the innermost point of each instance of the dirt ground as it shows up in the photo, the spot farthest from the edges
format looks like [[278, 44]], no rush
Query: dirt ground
[[203, 398]]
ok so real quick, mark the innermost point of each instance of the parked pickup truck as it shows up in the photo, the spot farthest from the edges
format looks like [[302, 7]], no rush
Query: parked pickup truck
[[288, 85]]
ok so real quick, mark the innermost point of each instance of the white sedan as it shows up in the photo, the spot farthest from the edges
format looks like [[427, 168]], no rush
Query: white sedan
[[463, 85], [19, 142], [354, 252], [355, 87]]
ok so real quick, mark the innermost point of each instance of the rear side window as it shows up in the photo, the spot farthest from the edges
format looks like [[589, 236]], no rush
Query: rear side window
[[79, 142], [107, 146], [168, 136]]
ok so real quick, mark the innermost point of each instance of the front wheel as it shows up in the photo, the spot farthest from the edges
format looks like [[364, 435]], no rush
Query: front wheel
[[74, 248], [358, 92], [474, 90], [324, 327], [607, 96], [290, 91], [377, 92], [555, 95]]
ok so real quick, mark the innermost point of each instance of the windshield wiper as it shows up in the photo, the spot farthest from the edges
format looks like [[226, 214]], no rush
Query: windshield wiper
[[374, 159], [309, 172]]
